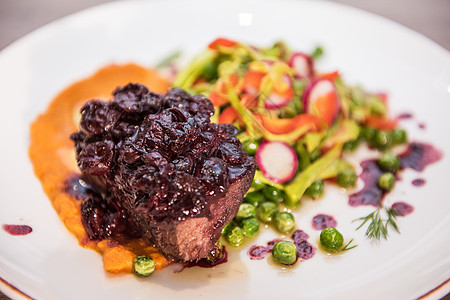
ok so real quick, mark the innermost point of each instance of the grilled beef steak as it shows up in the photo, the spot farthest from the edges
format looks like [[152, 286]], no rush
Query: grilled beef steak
[[161, 169]]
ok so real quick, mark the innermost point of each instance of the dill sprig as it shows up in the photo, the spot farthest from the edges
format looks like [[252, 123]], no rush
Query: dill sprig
[[378, 226], [346, 247]]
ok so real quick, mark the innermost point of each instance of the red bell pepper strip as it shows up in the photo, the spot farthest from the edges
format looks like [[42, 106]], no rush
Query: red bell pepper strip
[[381, 123], [223, 42]]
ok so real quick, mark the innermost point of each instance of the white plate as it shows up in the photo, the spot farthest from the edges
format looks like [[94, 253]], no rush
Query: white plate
[[369, 50]]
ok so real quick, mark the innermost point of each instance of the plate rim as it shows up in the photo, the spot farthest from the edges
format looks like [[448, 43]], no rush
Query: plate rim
[[10, 289]]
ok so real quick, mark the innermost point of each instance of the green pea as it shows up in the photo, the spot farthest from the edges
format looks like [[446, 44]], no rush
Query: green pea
[[254, 198], [399, 136], [250, 147], [347, 178], [284, 252], [234, 235], [266, 210], [143, 265], [250, 226], [232, 223], [273, 194], [382, 140], [216, 253], [368, 134], [257, 184], [284, 221], [350, 145], [245, 211], [389, 162], [315, 190], [331, 239], [386, 181]]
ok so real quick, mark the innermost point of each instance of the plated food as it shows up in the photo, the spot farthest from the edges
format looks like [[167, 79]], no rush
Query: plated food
[[159, 182], [33, 262]]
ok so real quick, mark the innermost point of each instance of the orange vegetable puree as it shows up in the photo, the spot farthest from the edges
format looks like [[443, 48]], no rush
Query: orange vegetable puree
[[53, 156]]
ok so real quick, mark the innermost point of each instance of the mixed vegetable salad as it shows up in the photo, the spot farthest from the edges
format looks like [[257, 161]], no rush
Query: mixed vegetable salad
[[296, 122]]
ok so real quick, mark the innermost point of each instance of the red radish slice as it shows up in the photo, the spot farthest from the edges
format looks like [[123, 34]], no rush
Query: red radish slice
[[321, 99], [277, 161], [302, 64], [277, 99]]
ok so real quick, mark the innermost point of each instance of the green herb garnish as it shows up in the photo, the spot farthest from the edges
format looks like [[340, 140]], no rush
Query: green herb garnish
[[378, 226]]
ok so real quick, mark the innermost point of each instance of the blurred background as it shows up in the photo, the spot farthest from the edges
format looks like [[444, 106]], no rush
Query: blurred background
[[428, 17]]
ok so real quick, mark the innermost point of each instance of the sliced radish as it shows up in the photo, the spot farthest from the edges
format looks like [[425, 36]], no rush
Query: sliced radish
[[302, 64], [280, 97], [277, 161], [321, 99]]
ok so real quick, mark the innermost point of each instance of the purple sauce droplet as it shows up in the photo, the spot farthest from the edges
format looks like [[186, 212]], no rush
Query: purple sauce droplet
[[371, 194], [418, 156], [321, 221], [422, 126], [17, 229], [261, 252], [304, 249], [418, 182], [405, 116], [402, 208]]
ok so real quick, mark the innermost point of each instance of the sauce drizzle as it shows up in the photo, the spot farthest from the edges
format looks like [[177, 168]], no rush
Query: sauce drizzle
[[17, 229], [321, 221]]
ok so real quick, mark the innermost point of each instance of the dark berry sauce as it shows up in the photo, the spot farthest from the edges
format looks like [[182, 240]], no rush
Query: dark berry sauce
[[17, 229], [261, 252], [205, 263], [321, 221], [304, 249], [155, 158], [418, 182], [371, 194], [419, 155], [422, 126], [402, 208]]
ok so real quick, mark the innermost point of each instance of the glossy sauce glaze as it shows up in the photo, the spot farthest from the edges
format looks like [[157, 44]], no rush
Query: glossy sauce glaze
[[53, 158]]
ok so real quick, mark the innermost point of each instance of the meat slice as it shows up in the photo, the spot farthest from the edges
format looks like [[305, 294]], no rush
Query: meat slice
[[162, 168]]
